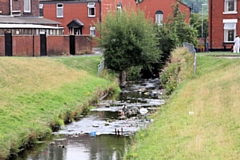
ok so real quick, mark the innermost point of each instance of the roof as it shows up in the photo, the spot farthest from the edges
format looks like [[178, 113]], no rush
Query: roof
[[184, 4], [75, 23], [27, 26], [27, 20]]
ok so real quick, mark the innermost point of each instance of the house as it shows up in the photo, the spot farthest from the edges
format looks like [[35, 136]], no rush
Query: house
[[78, 16], [223, 23], [24, 32], [21, 17]]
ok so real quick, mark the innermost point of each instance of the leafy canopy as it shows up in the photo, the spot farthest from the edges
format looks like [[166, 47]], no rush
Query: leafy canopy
[[128, 40]]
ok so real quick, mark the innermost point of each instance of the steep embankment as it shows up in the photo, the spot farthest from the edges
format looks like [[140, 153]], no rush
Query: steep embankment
[[201, 118], [38, 93]]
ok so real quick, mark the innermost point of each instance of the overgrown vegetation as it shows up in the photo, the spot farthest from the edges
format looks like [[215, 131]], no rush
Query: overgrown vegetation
[[38, 94], [180, 67], [200, 119], [129, 41]]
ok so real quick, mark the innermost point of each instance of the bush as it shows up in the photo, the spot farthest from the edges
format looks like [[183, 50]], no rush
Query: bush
[[180, 67]]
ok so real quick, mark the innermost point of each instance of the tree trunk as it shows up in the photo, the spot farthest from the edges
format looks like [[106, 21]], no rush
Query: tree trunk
[[122, 79]]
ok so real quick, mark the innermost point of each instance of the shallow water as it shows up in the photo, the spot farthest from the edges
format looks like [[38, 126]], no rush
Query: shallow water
[[103, 134]]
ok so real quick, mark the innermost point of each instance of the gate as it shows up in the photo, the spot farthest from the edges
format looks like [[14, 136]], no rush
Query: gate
[[72, 44], [8, 44], [43, 44]]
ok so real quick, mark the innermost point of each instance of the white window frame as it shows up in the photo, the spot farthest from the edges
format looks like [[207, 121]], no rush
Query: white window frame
[[159, 18], [227, 9], [92, 31], [119, 7], [59, 10], [41, 10], [229, 25], [91, 6], [27, 6]]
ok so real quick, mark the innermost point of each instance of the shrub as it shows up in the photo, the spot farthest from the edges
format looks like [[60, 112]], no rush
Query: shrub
[[180, 67]]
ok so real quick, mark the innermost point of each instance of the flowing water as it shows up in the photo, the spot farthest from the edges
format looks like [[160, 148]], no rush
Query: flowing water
[[105, 133]]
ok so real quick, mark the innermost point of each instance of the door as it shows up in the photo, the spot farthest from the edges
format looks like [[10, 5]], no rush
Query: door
[[72, 44], [43, 44], [8, 44]]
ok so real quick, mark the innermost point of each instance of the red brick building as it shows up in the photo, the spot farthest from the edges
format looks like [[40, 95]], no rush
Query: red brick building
[[23, 32], [223, 23], [19, 7], [78, 16]]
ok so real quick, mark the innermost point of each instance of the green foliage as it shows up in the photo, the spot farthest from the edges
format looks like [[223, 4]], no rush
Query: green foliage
[[43, 97], [128, 40], [201, 118], [174, 33], [196, 23], [196, 5], [177, 24], [169, 78], [167, 42], [180, 67], [134, 73]]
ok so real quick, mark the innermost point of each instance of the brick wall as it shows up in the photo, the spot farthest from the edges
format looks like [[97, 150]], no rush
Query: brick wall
[[22, 45], [150, 8], [216, 26], [36, 46], [4, 7], [2, 44], [83, 43], [19, 5], [57, 45], [72, 10]]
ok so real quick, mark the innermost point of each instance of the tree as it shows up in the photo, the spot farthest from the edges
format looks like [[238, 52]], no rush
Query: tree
[[177, 24], [196, 5], [196, 23], [175, 32], [128, 40]]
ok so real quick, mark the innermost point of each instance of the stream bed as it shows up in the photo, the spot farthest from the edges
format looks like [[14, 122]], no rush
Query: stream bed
[[105, 133]]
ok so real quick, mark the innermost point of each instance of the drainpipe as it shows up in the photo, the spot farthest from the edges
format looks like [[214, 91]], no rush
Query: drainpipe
[[10, 7], [100, 10], [210, 29]]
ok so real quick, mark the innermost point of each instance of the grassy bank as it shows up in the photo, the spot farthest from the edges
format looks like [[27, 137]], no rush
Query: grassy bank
[[38, 93], [211, 130]]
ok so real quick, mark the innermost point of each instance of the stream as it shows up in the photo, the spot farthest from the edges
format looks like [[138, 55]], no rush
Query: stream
[[105, 133]]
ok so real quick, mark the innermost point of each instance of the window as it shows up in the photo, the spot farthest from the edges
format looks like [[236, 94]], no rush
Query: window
[[91, 9], [159, 17], [119, 6], [27, 6], [229, 29], [41, 10], [92, 31], [59, 10], [230, 6]]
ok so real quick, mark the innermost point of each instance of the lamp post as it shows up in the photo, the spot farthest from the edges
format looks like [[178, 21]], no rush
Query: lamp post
[[202, 17], [202, 22]]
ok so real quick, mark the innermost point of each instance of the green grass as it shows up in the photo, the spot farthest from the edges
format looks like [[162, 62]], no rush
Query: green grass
[[37, 93], [212, 132]]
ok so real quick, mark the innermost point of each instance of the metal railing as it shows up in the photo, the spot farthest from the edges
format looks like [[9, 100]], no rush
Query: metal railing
[[100, 67], [193, 51]]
